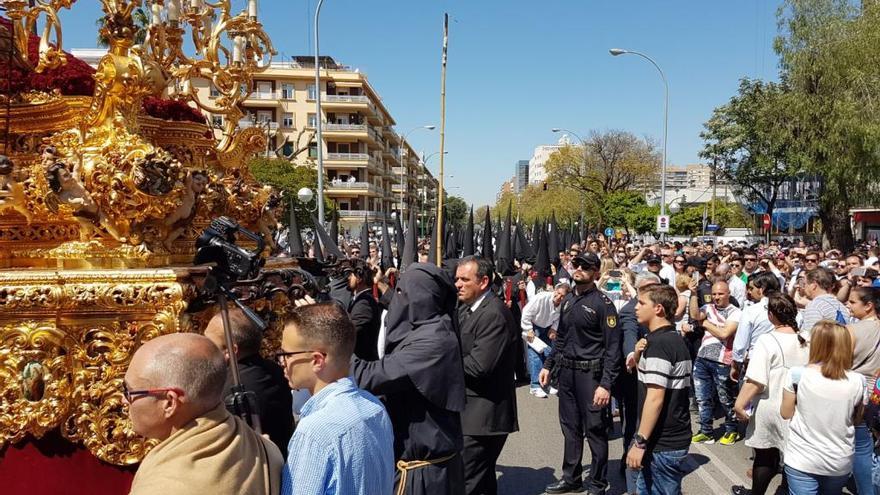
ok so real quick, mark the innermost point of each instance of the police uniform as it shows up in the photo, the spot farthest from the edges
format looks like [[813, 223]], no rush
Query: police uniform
[[586, 355]]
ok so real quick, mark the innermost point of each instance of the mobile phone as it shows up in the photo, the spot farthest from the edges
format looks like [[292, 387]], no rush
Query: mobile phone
[[614, 274]]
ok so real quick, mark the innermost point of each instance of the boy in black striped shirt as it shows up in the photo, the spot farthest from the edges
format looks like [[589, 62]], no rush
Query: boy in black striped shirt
[[664, 435]]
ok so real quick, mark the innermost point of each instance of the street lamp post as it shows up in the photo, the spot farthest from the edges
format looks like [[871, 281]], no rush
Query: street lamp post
[[618, 51], [584, 145], [429, 127], [318, 123], [425, 165]]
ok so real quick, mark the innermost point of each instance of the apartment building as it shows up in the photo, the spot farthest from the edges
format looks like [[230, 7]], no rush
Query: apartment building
[[522, 176], [536, 171]]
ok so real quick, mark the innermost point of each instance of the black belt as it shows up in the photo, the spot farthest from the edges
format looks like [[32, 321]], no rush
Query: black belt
[[587, 365]]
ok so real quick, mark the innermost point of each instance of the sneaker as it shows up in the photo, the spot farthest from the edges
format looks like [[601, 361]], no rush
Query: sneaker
[[702, 438], [553, 391], [730, 438], [740, 490], [537, 392]]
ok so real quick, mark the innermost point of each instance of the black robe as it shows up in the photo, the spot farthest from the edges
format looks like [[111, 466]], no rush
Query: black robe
[[422, 379]]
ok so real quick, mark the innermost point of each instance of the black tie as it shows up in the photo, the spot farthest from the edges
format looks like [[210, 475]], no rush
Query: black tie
[[464, 315]]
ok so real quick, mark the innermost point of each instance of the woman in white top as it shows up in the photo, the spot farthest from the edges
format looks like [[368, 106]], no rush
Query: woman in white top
[[862, 304], [824, 401], [682, 286], [760, 397]]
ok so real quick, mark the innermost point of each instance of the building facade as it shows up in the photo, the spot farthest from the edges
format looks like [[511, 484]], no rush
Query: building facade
[[537, 173], [369, 171], [521, 176]]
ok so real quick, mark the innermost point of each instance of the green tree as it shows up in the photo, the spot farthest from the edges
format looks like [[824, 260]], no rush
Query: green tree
[[748, 141], [830, 59], [537, 203], [456, 211], [141, 23], [289, 179], [622, 210], [608, 162]]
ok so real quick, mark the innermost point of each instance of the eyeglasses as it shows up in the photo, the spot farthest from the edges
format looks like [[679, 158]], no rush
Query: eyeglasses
[[750, 259], [811, 260], [678, 261], [133, 395], [736, 265], [281, 357]]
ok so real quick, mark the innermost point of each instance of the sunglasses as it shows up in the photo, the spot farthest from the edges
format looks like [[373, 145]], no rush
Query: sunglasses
[[678, 261], [736, 265], [811, 260], [750, 259]]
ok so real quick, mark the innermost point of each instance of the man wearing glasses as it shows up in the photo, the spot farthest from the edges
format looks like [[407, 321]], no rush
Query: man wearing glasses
[[587, 352], [174, 391], [344, 443]]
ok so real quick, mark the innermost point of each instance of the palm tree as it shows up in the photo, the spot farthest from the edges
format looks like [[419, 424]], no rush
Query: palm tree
[[141, 22]]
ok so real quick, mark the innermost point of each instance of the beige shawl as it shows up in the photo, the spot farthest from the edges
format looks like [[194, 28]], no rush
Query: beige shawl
[[214, 454]]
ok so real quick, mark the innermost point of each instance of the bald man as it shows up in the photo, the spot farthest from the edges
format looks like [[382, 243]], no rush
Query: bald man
[[712, 383], [174, 390]]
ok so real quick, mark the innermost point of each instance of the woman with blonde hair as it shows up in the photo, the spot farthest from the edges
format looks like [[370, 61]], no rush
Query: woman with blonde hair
[[682, 286], [824, 401]]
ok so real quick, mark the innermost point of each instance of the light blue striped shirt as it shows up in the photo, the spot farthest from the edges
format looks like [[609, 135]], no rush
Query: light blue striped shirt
[[343, 444]]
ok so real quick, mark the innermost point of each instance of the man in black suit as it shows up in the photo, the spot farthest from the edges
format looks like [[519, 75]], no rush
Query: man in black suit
[[261, 376], [488, 338], [363, 310], [626, 388]]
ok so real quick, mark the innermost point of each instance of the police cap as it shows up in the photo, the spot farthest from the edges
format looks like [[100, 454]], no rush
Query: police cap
[[586, 261]]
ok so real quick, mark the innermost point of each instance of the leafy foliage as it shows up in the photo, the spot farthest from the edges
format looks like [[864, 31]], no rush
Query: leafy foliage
[[289, 179], [456, 211]]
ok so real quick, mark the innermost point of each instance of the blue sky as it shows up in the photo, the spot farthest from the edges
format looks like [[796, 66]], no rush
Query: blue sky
[[518, 68]]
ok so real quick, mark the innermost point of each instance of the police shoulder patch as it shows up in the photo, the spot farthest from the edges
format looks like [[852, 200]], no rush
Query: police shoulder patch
[[611, 320]]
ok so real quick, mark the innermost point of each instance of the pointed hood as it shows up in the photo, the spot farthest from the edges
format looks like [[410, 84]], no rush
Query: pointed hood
[[387, 259], [542, 258], [536, 235], [334, 227], [553, 239], [294, 238], [468, 239], [487, 251], [365, 240], [410, 247], [451, 247], [398, 236], [328, 246], [582, 230], [523, 250], [504, 257]]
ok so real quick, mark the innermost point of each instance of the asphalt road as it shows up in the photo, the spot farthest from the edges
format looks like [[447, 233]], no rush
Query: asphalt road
[[532, 457]]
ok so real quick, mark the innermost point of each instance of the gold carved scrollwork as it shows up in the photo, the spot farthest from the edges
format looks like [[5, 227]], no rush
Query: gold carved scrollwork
[[63, 364], [35, 388]]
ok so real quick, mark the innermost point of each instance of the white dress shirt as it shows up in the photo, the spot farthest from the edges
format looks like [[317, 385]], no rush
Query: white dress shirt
[[752, 324], [540, 311]]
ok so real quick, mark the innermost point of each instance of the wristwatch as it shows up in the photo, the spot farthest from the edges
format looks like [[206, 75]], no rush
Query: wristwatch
[[640, 441]]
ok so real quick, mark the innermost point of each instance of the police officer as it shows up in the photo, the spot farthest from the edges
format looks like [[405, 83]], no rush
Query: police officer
[[587, 355]]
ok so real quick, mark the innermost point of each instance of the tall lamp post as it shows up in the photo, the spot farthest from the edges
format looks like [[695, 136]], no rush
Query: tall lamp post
[[318, 123], [429, 127], [584, 145], [425, 164], [618, 51]]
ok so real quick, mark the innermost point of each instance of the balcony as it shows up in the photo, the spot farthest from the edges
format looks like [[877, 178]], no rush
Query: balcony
[[265, 95], [246, 123], [360, 214], [345, 127], [348, 157], [346, 99], [354, 188]]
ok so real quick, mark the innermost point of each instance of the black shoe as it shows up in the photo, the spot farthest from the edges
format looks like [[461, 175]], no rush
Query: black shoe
[[740, 490], [563, 486]]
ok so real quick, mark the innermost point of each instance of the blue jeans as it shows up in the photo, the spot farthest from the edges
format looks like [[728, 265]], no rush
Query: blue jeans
[[801, 483], [711, 380], [863, 461], [661, 473], [534, 360]]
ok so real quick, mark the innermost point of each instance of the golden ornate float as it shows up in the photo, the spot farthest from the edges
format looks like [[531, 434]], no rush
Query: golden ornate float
[[100, 205]]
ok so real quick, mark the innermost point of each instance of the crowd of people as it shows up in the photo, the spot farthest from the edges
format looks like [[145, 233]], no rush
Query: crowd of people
[[408, 373]]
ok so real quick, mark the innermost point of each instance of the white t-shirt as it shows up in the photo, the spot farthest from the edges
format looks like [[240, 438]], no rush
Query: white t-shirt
[[821, 436], [772, 356], [711, 348]]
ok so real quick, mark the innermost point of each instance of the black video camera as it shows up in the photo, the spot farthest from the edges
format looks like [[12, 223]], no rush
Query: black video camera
[[231, 263]]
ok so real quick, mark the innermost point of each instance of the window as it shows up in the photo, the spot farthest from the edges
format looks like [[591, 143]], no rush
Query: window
[[287, 91], [312, 121], [217, 120], [287, 120], [312, 92], [214, 92], [287, 149], [313, 150]]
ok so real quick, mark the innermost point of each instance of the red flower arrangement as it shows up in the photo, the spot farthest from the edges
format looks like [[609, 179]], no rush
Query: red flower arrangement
[[176, 110], [73, 79]]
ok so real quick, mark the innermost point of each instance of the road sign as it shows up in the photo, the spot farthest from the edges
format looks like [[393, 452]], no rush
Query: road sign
[[766, 221], [609, 232], [711, 227], [662, 224]]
